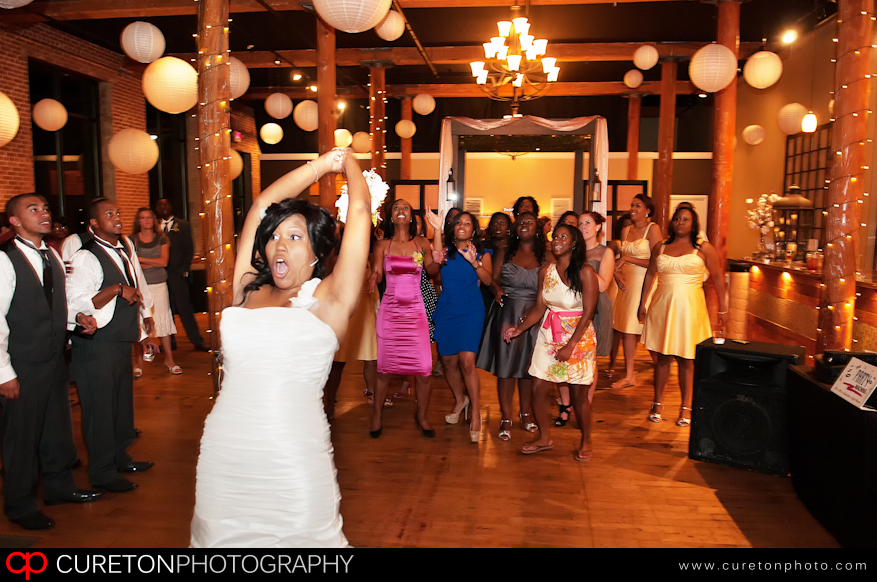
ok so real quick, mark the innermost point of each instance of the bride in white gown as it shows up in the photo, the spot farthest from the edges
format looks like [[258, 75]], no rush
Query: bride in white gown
[[266, 475]]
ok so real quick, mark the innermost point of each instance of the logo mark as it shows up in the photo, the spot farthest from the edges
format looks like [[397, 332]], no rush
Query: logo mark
[[26, 567]]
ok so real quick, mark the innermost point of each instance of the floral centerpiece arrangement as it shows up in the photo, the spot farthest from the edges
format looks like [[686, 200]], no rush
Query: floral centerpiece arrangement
[[377, 188], [761, 218]]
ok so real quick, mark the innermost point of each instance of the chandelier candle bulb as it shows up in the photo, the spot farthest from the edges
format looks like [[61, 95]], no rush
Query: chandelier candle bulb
[[489, 50], [532, 55], [541, 46], [519, 80], [477, 67], [552, 74], [526, 41], [502, 53], [514, 63], [548, 64], [521, 25]]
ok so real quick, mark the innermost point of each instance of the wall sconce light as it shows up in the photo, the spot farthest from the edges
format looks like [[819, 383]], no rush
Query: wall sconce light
[[452, 187]]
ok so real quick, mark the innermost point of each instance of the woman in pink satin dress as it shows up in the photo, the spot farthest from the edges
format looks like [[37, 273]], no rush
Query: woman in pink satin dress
[[402, 325]]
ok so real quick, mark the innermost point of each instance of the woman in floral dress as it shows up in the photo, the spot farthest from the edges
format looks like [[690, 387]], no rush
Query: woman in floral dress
[[566, 347]]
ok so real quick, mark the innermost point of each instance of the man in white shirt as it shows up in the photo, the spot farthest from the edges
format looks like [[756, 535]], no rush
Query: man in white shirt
[[106, 282], [36, 427]]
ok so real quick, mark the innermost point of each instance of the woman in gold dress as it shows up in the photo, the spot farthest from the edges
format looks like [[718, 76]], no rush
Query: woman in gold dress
[[637, 242], [677, 318]]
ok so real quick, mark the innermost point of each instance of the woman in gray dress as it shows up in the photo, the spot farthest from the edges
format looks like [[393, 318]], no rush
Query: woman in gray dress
[[602, 260], [515, 284]]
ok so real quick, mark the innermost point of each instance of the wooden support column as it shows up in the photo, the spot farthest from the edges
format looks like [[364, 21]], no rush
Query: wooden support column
[[214, 137], [666, 138], [377, 124], [405, 170], [634, 107], [718, 220], [852, 91], [326, 106]]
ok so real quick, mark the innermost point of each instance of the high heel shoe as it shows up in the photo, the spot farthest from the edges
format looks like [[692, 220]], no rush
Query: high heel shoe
[[376, 433], [683, 422], [560, 421], [504, 430], [427, 432], [454, 417], [654, 414], [526, 424], [475, 435]]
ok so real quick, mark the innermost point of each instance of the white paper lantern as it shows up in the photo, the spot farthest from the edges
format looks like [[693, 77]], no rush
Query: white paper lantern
[[305, 115], [424, 104], [171, 85], [271, 133], [278, 105], [391, 27], [790, 118], [133, 151], [142, 41], [352, 15], [50, 115], [754, 134], [362, 142], [645, 57], [633, 78], [713, 67], [238, 78], [405, 129], [9, 120], [10, 4], [763, 69], [235, 165], [343, 138]]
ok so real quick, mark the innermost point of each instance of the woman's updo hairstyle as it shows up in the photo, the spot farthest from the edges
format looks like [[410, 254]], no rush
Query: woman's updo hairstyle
[[321, 232]]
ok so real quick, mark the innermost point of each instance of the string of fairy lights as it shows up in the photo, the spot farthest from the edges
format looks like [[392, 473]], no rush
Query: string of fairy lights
[[379, 124]]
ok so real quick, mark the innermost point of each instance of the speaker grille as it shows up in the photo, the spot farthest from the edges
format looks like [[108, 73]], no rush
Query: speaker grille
[[742, 426]]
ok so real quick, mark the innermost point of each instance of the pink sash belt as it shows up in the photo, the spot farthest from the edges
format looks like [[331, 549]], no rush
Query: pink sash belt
[[554, 320]]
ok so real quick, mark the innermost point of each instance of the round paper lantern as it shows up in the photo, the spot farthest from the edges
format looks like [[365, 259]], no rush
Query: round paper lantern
[[391, 27], [790, 118], [50, 115], [133, 151], [713, 67], [424, 104], [645, 57], [405, 129], [171, 85], [305, 115], [352, 15], [278, 105], [763, 69], [754, 134], [235, 165], [362, 142], [8, 120], [633, 78], [143, 42], [343, 138], [238, 78], [271, 133]]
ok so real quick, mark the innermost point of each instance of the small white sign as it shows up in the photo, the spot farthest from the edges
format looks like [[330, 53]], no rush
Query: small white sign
[[856, 383]]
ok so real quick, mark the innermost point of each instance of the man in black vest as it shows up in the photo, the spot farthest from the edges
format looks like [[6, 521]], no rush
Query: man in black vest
[[36, 427], [105, 282], [178, 266]]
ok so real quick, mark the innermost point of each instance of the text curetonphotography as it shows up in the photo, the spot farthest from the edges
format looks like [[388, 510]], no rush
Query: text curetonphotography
[[203, 564]]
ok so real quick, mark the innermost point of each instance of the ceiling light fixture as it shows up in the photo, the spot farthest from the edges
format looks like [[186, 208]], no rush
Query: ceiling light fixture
[[515, 58]]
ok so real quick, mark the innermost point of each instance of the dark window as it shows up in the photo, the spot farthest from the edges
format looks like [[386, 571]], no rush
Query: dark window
[[167, 178]]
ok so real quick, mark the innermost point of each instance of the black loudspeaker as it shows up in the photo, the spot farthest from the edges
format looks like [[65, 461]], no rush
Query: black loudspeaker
[[739, 409]]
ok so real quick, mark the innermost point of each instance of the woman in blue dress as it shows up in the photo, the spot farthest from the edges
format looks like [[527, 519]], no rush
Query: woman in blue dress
[[459, 316]]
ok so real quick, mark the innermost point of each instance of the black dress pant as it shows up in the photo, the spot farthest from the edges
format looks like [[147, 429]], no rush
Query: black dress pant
[[37, 436], [181, 304], [105, 381]]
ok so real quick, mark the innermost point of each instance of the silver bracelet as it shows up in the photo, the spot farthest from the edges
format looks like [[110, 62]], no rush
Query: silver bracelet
[[316, 174]]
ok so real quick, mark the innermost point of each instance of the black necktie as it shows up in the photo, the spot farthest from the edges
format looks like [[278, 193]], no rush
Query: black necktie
[[131, 281], [48, 280]]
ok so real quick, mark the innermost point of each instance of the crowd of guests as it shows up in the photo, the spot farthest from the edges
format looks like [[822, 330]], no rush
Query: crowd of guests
[[534, 306], [84, 306]]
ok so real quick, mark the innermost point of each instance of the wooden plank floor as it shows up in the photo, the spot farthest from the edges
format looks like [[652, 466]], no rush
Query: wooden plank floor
[[402, 490]]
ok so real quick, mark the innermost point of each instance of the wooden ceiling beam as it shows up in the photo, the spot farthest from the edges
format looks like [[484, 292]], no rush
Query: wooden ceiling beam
[[461, 55], [578, 89]]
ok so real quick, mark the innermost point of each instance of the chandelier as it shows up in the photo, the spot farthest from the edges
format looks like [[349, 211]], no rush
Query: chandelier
[[515, 58]]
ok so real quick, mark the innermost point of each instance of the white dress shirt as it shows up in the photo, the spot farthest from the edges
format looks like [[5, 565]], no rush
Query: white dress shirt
[[87, 277], [167, 224], [7, 290]]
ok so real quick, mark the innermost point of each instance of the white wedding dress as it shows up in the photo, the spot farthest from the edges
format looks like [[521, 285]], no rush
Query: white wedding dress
[[266, 476]]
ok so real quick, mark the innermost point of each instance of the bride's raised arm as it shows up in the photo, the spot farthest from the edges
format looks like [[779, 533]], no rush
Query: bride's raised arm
[[340, 291], [289, 186]]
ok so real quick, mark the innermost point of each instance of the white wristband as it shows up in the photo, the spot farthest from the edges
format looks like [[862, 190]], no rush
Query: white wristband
[[316, 175]]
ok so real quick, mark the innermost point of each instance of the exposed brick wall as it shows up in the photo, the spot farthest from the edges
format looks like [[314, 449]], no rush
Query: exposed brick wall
[[124, 108], [245, 122]]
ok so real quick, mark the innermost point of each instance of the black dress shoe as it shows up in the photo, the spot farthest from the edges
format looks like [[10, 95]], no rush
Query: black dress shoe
[[119, 485], [35, 520], [137, 432], [136, 467], [376, 433], [78, 496]]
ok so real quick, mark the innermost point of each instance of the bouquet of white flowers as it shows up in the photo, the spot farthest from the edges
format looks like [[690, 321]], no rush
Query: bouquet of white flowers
[[377, 188], [761, 217]]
